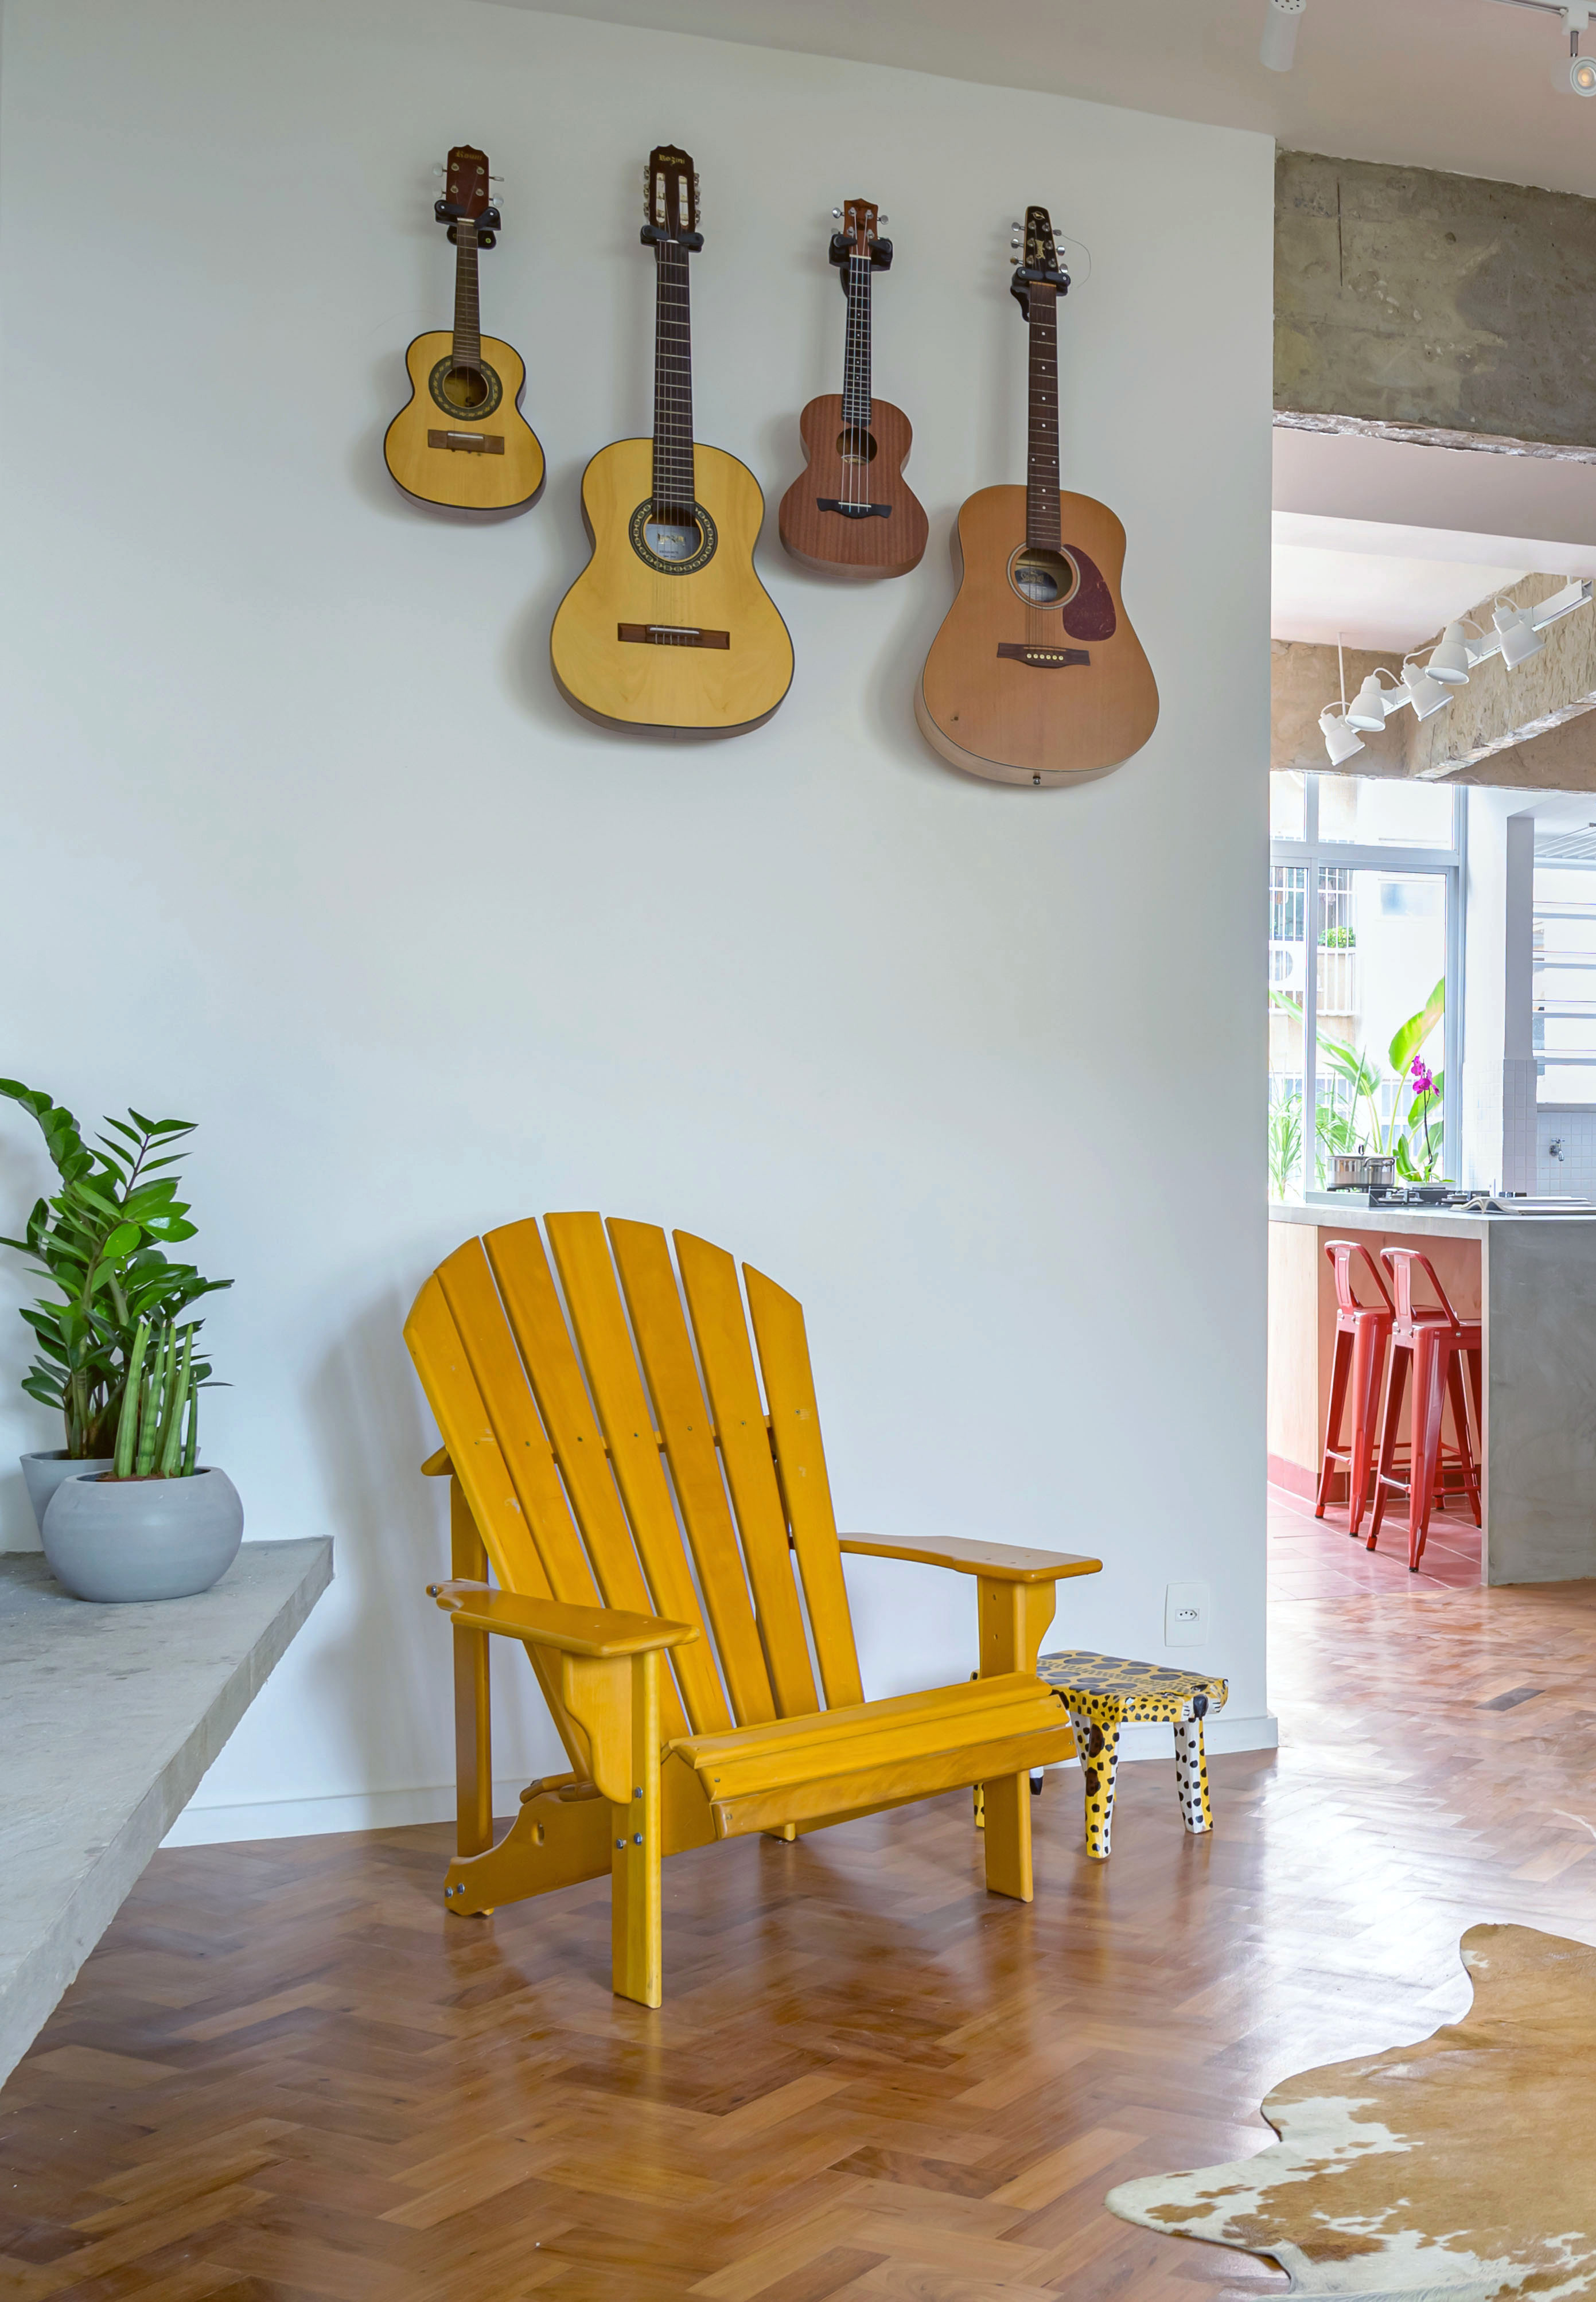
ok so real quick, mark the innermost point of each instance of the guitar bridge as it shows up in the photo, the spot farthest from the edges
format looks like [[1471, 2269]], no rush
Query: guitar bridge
[[855, 510], [672, 635], [1042, 659], [471, 443]]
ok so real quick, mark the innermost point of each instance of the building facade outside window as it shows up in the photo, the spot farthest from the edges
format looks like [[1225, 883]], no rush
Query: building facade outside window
[[1364, 975]]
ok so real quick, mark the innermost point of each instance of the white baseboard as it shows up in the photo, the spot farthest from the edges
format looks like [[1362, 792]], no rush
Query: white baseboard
[[220, 1826]]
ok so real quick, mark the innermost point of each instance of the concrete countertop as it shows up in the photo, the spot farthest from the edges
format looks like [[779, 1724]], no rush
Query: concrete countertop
[[109, 1716], [1440, 1223]]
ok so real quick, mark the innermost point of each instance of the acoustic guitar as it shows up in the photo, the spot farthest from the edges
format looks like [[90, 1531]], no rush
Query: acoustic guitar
[[462, 440], [1037, 675], [850, 513], [669, 628]]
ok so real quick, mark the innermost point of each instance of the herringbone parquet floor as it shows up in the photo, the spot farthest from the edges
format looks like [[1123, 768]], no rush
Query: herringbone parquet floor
[[285, 2075]]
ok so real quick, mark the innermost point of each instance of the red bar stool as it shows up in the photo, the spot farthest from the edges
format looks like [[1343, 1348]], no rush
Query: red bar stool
[[1434, 1340], [1361, 1332]]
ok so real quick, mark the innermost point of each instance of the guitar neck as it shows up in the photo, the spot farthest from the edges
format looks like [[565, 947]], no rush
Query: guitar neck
[[1041, 470], [468, 318], [676, 490], [856, 350]]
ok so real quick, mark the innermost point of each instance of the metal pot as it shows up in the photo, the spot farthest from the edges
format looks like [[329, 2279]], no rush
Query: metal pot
[[1362, 1171]]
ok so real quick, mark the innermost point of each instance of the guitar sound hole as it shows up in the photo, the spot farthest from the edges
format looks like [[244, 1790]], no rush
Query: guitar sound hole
[[856, 447], [672, 538], [467, 389], [1043, 578]]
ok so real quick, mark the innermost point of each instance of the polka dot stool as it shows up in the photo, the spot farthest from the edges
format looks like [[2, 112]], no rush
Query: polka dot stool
[[1101, 1692]]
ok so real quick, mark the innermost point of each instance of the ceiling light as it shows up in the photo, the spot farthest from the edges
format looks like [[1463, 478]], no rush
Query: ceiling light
[[1427, 696], [1576, 76], [1519, 638], [1367, 709], [1449, 661], [1279, 33], [1340, 740]]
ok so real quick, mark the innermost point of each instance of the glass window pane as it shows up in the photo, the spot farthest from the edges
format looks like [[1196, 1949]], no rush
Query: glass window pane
[[1381, 955], [1287, 976], [1373, 812], [1286, 805], [1564, 979]]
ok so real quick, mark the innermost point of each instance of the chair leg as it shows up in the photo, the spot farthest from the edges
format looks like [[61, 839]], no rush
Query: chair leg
[[1191, 1776], [1007, 1802], [1429, 1395], [1368, 1356], [1099, 1765], [1390, 1419], [1340, 1367], [635, 1931], [1460, 1425]]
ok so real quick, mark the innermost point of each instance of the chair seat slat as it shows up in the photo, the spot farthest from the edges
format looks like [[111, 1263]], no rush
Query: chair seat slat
[[800, 1466], [710, 1277], [649, 1282], [587, 1275]]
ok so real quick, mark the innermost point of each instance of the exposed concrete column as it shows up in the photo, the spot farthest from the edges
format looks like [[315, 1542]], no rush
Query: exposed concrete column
[[1498, 1061]]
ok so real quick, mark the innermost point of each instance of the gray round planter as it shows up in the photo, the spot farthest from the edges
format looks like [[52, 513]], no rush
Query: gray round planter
[[43, 1473], [132, 1539]]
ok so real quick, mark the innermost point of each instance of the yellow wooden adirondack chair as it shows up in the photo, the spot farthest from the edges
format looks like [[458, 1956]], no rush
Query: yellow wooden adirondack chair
[[560, 1465]]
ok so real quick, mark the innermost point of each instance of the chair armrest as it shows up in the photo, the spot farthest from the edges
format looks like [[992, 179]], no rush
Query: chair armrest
[[437, 1464], [601, 1632], [994, 1562]]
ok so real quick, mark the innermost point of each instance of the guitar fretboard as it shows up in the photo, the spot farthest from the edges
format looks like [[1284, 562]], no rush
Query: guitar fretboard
[[856, 350], [468, 318], [1041, 470], [674, 488]]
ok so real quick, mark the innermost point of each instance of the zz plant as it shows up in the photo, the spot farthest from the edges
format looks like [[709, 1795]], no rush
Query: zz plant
[[101, 1242], [152, 1440]]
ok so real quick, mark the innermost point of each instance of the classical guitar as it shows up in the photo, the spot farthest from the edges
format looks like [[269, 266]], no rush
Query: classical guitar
[[462, 440], [850, 513], [1036, 675], [669, 626]]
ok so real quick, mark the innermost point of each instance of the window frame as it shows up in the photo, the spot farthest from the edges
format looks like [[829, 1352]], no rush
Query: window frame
[[1449, 864]]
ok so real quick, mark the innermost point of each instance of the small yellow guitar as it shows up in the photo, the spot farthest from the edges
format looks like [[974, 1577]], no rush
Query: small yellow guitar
[[669, 628], [462, 440]]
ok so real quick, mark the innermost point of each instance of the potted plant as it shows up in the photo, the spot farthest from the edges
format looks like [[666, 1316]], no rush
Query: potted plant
[[101, 1243], [159, 1524]]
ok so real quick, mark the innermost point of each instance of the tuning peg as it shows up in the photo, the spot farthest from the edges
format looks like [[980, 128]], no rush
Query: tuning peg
[[883, 219], [440, 171], [837, 213], [1014, 262]]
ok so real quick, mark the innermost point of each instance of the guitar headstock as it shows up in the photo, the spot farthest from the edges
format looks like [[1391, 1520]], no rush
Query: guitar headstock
[[670, 198], [468, 193], [859, 233], [1039, 266]]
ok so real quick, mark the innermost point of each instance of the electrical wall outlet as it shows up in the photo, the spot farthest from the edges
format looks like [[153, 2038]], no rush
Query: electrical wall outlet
[[1186, 1609]]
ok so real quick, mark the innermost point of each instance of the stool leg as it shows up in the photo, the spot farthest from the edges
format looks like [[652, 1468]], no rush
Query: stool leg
[[1191, 1776], [1099, 1764], [1368, 1357], [1429, 1394], [1339, 1366], [1460, 1425], [1391, 1418]]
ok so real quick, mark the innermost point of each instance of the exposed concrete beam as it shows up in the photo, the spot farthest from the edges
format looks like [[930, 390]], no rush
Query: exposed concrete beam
[[1532, 729], [1414, 304]]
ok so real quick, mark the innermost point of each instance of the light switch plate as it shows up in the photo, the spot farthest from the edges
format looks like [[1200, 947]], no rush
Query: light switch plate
[[1186, 1609]]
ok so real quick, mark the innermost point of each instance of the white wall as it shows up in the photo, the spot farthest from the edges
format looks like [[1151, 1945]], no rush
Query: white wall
[[302, 842]]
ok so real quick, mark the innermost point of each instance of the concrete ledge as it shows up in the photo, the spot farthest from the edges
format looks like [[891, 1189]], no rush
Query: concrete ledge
[[109, 1716]]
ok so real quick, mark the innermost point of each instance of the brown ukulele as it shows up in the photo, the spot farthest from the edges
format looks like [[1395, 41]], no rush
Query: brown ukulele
[[1037, 675], [850, 513], [462, 441]]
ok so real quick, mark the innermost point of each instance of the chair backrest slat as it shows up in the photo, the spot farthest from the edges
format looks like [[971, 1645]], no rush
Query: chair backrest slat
[[800, 1463], [587, 1277], [653, 1298], [710, 1277], [526, 1285], [500, 1379]]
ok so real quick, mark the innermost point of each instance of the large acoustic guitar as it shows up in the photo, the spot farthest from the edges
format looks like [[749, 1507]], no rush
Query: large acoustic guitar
[[1037, 675], [669, 628], [850, 513], [462, 440]]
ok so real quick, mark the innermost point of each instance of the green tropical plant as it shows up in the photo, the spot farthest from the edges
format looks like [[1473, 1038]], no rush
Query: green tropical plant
[[1409, 1135], [101, 1243], [158, 1397], [1285, 1143]]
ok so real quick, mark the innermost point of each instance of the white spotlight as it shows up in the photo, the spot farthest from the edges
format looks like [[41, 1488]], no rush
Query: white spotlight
[[1519, 638], [1340, 740], [1279, 33], [1427, 696], [1448, 662], [1574, 77], [1368, 708]]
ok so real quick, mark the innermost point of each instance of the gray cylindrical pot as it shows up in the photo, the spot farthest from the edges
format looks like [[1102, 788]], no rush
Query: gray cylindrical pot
[[43, 1473], [132, 1539]]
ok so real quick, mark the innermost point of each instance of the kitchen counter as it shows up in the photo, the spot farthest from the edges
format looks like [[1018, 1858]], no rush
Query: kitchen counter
[[1530, 1280]]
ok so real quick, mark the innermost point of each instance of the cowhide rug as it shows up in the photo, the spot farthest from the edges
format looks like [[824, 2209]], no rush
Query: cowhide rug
[[1464, 2168]]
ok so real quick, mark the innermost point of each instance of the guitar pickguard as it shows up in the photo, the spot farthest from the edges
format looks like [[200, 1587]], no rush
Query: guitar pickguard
[[1089, 614]]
